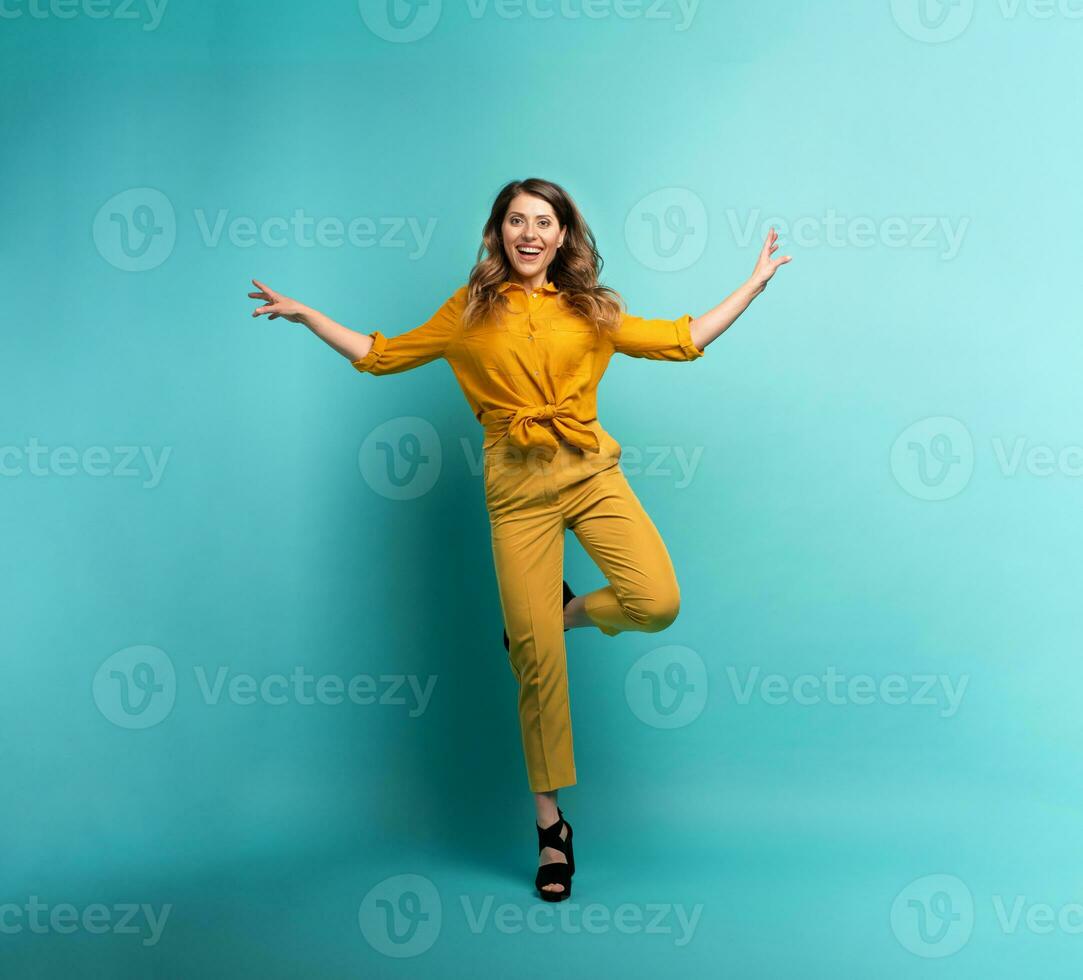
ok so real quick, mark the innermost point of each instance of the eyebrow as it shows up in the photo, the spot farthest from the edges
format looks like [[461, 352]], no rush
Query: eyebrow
[[512, 214]]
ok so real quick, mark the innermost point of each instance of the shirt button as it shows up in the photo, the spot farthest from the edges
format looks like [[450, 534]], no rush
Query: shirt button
[[535, 372]]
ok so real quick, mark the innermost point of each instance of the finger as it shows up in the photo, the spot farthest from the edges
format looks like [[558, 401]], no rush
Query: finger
[[266, 289], [258, 296]]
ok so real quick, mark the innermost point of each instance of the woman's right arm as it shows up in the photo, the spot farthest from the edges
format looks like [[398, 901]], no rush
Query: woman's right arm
[[373, 353], [349, 343]]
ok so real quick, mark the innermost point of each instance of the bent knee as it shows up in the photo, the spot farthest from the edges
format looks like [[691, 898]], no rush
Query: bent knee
[[655, 614]]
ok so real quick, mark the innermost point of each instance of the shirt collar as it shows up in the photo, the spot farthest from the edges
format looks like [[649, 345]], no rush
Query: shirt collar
[[507, 284]]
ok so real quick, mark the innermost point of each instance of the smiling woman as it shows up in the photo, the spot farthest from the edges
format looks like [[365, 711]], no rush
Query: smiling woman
[[529, 337]]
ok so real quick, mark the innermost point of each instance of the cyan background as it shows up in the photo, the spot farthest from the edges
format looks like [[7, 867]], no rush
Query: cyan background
[[800, 545]]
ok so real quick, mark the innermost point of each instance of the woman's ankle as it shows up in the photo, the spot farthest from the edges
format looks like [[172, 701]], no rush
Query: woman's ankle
[[545, 809]]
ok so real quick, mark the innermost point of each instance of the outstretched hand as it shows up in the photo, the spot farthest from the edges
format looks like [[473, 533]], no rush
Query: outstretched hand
[[277, 304], [765, 265]]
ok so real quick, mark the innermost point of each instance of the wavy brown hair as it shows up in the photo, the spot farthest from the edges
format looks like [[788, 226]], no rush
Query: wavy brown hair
[[574, 271]]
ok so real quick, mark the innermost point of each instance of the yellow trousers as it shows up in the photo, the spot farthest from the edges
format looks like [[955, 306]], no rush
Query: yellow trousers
[[531, 502]]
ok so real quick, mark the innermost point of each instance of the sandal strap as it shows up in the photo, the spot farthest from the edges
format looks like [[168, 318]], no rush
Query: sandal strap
[[550, 836]]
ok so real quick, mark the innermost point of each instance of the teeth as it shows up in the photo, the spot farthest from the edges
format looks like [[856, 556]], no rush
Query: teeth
[[529, 250]]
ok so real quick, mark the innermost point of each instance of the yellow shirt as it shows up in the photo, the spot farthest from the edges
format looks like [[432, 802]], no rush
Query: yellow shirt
[[540, 361]]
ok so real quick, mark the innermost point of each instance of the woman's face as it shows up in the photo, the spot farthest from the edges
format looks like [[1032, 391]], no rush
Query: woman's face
[[531, 235]]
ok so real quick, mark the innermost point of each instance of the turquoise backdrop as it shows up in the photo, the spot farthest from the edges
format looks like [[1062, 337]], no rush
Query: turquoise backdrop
[[256, 718]]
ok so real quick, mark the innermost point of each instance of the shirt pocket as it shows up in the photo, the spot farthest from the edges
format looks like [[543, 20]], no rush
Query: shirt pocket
[[518, 323], [573, 344]]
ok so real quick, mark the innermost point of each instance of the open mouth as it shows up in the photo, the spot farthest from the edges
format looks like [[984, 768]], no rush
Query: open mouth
[[529, 253]]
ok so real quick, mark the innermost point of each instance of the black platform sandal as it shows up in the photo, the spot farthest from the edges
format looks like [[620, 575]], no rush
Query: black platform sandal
[[556, 872], [568, 596]]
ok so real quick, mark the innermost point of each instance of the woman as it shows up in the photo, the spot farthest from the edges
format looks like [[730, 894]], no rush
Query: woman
[[529, 338]]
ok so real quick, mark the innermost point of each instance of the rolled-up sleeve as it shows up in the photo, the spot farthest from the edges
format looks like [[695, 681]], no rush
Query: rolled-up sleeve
[[658, 340], [392, 355]]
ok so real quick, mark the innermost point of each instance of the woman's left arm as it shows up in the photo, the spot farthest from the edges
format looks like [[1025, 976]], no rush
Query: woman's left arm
[[713, 323]]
